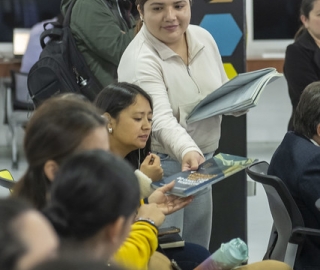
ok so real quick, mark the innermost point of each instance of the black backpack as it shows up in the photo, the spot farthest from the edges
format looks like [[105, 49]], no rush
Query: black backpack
[[61, 68]]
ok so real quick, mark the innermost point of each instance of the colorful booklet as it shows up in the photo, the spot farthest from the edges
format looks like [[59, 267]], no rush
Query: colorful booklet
[[239, 94], [210, 172]]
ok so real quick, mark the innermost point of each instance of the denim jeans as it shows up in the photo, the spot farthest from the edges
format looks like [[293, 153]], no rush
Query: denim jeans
[[195, 220]]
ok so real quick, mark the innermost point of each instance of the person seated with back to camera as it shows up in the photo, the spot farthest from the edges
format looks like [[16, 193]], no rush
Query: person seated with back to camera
[[26, 236], [51, 138], [93, 207], [297, 163]]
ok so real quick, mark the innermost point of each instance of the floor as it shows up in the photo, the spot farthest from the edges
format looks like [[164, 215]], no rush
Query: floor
[[266, 125]]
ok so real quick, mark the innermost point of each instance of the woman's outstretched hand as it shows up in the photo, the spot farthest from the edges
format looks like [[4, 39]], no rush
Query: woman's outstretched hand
[[168, 204], [191, 161]]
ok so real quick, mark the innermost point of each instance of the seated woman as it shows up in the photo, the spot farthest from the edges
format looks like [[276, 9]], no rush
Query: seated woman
[[129, 112], [64, 126], [128, 109]]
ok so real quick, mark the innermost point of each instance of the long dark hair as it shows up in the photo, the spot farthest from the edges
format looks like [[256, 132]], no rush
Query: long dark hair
[[305, 8], [91, 190], [116, 97], [54, 132]]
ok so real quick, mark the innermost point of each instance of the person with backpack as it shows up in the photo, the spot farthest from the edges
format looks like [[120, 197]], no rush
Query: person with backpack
[[102, 30]]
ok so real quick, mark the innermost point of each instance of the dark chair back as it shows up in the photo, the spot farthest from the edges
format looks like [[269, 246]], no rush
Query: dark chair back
[[18, 108], [285, 242]]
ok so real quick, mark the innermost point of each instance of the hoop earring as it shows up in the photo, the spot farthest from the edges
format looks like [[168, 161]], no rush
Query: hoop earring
[[110, 130]]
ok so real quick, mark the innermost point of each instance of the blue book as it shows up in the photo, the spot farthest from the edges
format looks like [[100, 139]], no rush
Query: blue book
[[210, 172]]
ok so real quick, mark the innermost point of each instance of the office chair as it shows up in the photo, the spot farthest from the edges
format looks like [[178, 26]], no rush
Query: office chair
[[6, 183], [288, 231], [18, 106], [6, 179]]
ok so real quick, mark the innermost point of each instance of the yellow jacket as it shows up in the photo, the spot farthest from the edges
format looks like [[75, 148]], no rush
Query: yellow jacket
[[141, 243]]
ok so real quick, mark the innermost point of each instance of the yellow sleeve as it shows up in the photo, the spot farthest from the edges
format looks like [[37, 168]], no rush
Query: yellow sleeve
[[141, 243]]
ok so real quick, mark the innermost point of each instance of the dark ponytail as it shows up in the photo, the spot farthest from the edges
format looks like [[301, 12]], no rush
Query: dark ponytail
[[91, 190], [305, 8]]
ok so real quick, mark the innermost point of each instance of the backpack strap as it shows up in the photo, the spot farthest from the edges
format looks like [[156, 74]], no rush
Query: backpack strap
[[67, 17], [53, 23], [53, 33], [56, 31]]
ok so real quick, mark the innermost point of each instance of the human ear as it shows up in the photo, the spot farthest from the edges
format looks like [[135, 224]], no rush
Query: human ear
[[107, 116], [109, 119], [140, 12], [316, 137], [118, 229], [304, 21], [115, 231], [318, 130], [50, 169]]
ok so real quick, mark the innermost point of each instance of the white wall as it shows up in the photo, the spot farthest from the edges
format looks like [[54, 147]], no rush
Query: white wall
[[268, 121]]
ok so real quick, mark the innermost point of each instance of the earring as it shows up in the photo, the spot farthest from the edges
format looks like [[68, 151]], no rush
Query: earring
[[110, 130], [141, 18]]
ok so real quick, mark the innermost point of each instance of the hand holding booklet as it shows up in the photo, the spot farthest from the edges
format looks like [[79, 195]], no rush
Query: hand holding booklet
[[210, 172], [239, 94]]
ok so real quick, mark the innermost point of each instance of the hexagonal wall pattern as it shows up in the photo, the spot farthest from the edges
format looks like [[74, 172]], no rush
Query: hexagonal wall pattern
[[225, 31]]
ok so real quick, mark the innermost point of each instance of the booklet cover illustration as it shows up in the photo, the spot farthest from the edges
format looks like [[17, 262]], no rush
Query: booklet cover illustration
[[211, 171]]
